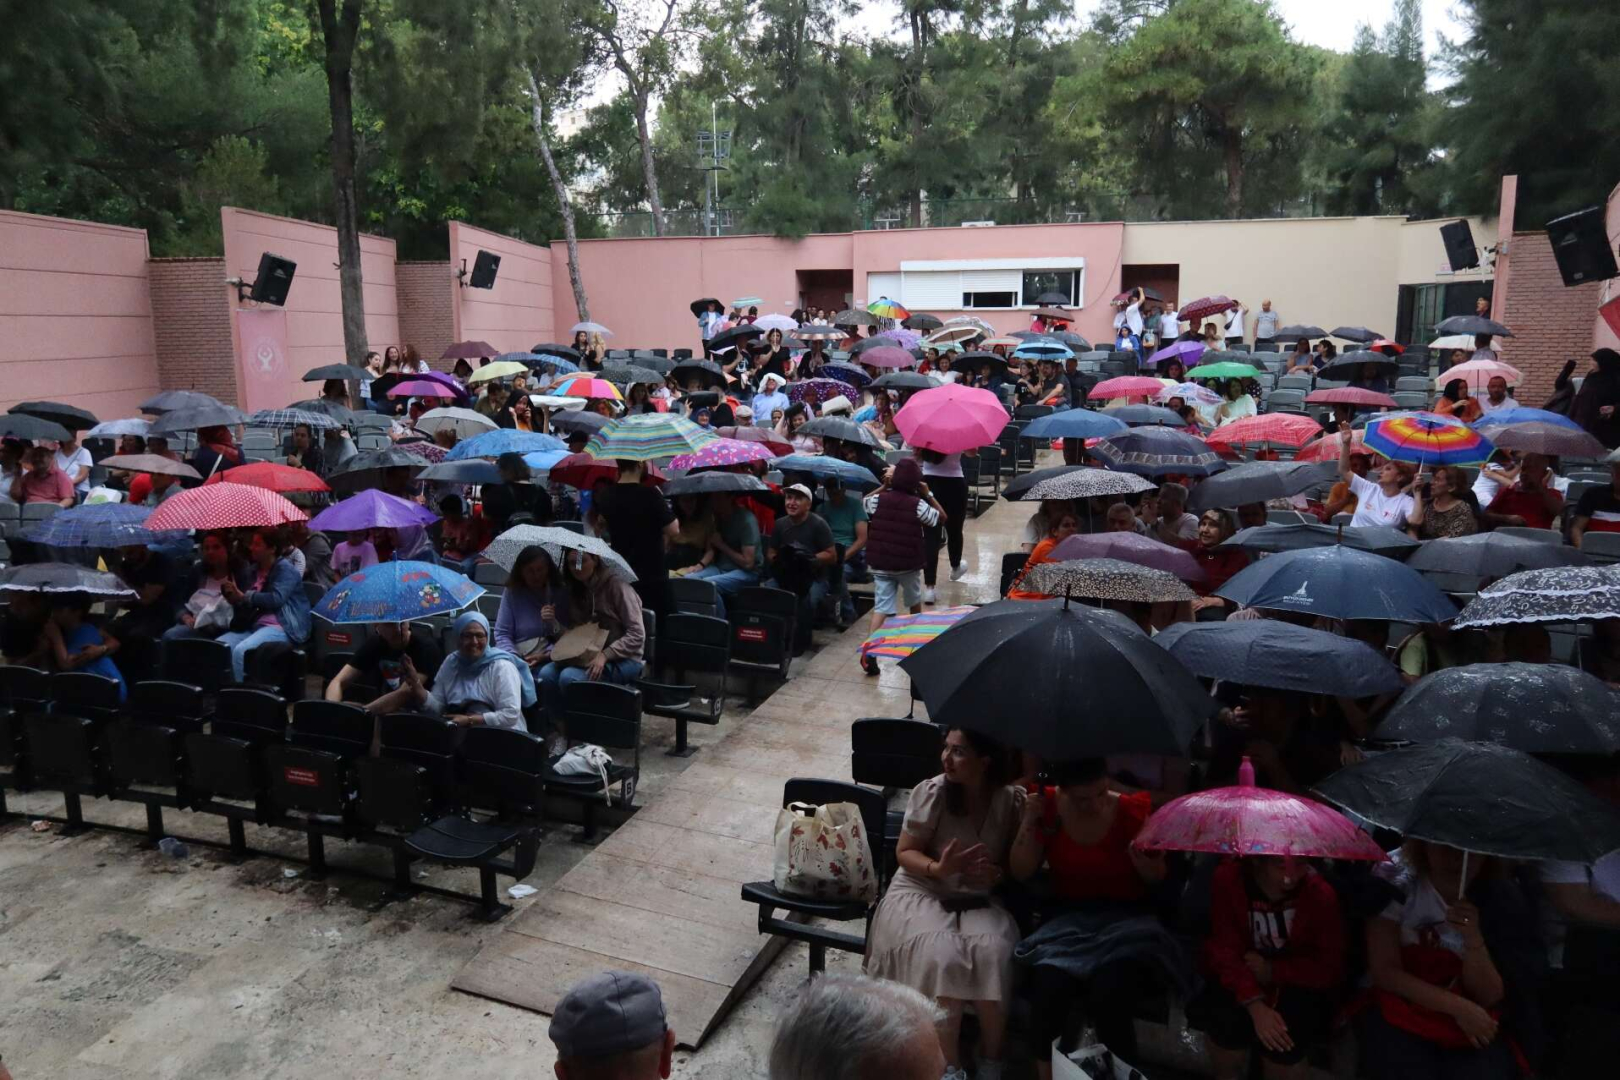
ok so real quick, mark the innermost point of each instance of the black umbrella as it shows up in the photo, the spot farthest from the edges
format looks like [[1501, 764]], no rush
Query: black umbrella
[[1156, 451], [366, 470], [1297, 332], [1354, 333], [630, 375], [345, 372], [837, 427], [197, 417], [904, 380], [1348, 366], [68, 416], [708, 372], [704, 483], [473, 471], [1059, 680], [1472, 324], [1492, 554], [1281, 656], [170, 400], [569, 421], [979, 360], [1073, 482], [468, 350], [880, 341], [1377, 539], [852, 317], [552, 348], [701, 305], [1257, 481], [330, 409], [1537, 708], [59, 577], [1340, 583], [23, 426], [661, 364], [922, 321], [1072, 340], [725, 339], [1052, 298], [1479, 797], [1028, 335]]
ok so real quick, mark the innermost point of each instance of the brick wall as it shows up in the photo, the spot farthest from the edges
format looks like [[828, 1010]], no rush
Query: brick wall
[[191, 318], [426, 291], [1551, 323]]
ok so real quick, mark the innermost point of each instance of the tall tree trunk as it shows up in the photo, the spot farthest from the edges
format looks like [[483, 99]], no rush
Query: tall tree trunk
[[647, 167], [918, 43], [565, 204], [1232, 151], [339, 29]]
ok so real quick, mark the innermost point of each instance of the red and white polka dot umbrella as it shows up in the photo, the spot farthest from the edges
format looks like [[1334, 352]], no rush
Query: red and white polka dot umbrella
[[224, 506]]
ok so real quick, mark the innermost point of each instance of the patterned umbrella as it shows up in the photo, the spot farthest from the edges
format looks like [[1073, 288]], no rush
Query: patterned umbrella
[[56, 577], [1562, 594], [224, 506], [291, 418], [1198, 310], [1190, 392], [647, 437], [271, 476], [1106, 579], [721, 452], [432, 453], [884, 308], [584, 386], [1273, 429], [492, 444], [150, 463], [372, 509], [629, 375], [422, 388], [464, 422], [848, 374], [828, 468], [583, 471], [899, 638], [1156, 451], [1125, 386], [1187, 352], [396, 592], [764, 436], [1427, 439], [552, 364], [1350, 395], [1478, 373], [342, 414], [501, 369], [816, 391], [950, 419], [1131, 548], [1537, 708], [1073, 482], [98, 525], [505, 548]]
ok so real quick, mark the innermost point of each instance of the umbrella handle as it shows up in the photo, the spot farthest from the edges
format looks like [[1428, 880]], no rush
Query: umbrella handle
[[1246, 773], [1462, 879]]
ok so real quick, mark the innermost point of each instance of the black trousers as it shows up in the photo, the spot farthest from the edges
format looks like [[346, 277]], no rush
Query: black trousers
[[951, 491], [1109, 998]]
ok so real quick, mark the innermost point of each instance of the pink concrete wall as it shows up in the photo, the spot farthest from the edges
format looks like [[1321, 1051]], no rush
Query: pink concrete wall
[[640, 288], [75, 315], [314, 311], [517, 312]]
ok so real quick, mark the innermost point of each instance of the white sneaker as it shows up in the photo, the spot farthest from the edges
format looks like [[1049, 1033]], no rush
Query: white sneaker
[[959, 571], [954, 1072], [928, 595]]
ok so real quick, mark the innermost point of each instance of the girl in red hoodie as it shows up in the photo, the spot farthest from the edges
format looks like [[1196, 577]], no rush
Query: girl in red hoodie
[[1275, 956]]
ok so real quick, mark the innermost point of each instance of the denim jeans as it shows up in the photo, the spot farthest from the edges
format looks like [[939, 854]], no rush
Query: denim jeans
[[244, 642], [554, 678], [727, 582]]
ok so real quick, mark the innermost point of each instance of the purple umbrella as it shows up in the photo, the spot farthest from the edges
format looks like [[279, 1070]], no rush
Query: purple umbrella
[[906, 339], [371, 509], [722, 452], [1187, 352], [1131, 548], [423, 387], [889, 356], [816, 391]]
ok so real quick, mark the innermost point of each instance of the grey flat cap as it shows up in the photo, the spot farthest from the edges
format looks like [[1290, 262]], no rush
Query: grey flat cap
[[611, 1013]]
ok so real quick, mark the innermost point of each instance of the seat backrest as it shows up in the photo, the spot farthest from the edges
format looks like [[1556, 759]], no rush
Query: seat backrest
[[874, 807], [1011, 563], [490, 574], [694, 596], [197, 660], [1412, 382], [1599, 546], [1281, 399], [430, 742], [39, 511], [763, 600], [489, 606], [500, 768], [603, 713], [692, 642], [254, 715], [79, 693], [893, 753], [170, 704], [333, 726], [1411, 399], [1287, 517], [1294, 382], [23, 689]]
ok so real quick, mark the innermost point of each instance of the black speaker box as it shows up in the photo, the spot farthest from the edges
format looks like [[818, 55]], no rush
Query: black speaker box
[[1581, 246], [485, 267], [274, 279], [1459, 241]]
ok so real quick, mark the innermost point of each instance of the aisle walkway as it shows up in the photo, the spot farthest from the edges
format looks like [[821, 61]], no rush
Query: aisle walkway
[[661, 894]]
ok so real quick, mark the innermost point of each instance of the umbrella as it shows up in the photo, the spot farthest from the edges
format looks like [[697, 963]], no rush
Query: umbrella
[[1156, 451], [718, 453], [1132, 548], [1426, 438], [1190, 392], [700, 305], [500, 369], [1247, 820], [366, 469], [1376, 539], [980, 360], [774, 321], [1043, 350], [972, 321], [848, 374], [464, 422], [922, 321], [746, 301], [631, 375], [416, 443], [1479, 797], [68, 416], [1060, 299], [1492, 554], [590, 328], [898, 638], [950, 419], [1258, 481], [1054, 315], [195, 417], [1354, 333], [852, 317], [1020, 336], [1106, 579], [846, 473], [1281, 656], [898, 380], [341, 414], [583, 471], [1199, 310], [1071, 339], [1103, 686], [475, 471], [57, 577], [1144, 416], [764, 436], [492, 444], [1554, 440], [420, 387], [271, 476], [396, 592], [884, 308], [709, 373], [170, 400], [572, 421], [372, 509], [151, 463], [505, 548], [99, 525], [1272, 429], [837, 427], [662, 365], [647, 437], [1072, 424], [1386, 347], [1537, 708], [291, 418], [708, 483], [554, 365], [1522, 414], [345, 372], [1561, 594], [1478, 374], [817, 391], [552, 348], [1472, 325], [727, 339], [467, 350], [1073, 482], [1126, 386], [810, 332], [1452, 341], [223, 506], [112, 429], [889, 356], [1187, 352], [1327, 448], [1340, 583], [1302, 331], [960, 333], [1350, 395], [1222, 370]]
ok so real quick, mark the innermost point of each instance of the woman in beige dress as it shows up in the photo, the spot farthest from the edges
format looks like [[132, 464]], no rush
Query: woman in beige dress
[[938, 929]]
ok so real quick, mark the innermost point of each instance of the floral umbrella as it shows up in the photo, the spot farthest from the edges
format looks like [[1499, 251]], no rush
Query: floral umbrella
[[722, 452]]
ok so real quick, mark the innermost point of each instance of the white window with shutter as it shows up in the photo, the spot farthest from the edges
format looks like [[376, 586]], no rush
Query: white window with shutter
[[976, 284]]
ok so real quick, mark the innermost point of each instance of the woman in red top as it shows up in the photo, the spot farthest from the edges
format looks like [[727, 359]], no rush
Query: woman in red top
[[1219, 563], [1274, 955], [1083, 831]]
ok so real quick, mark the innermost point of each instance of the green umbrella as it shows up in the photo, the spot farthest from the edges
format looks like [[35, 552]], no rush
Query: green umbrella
[[1227, 370]]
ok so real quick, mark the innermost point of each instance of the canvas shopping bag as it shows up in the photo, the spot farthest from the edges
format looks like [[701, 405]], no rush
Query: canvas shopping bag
[[823, 852]]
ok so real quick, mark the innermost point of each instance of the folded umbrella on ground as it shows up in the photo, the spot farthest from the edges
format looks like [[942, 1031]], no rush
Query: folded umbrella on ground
[[1280, 656], [1537, 708]]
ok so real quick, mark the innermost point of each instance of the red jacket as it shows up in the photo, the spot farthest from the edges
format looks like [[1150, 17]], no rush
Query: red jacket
[[1302, 936]]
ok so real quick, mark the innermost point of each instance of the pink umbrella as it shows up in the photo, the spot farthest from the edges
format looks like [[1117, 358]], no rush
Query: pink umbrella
[[722, 452], [891, 356], [1131, 548], [1349, 395], [1476, 373], [1125, 386], [426, 388], [1281, 429], [1249, 820], [951, 418]]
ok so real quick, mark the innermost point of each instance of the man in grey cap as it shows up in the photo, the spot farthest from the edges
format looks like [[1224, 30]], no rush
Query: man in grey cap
[[612, 1027], [802, 551]]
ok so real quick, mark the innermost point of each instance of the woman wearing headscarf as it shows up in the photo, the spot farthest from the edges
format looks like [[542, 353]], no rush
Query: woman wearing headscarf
[[476, 684], [518, 414], [1598, 399], [773, 356]]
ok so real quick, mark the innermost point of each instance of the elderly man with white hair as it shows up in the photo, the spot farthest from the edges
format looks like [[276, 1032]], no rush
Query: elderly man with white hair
[[854, 1027]]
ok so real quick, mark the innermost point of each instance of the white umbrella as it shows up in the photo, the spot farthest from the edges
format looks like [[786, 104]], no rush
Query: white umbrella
[[773, 321], [464, 422], [555, 401], [591, 328], [134, 425], [505, 548], [1453, 341]]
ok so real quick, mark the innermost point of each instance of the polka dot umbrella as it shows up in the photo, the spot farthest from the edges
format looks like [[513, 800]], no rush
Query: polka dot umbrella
[[224, 506]]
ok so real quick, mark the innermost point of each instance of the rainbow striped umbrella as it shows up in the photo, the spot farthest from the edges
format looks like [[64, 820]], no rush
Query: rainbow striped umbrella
[[1426, 439], [648, 437], [884, 308], [899, 638], [587, 387]]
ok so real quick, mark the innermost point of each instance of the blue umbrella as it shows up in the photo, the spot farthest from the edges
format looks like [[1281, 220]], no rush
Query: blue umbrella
[[1523, 414], [397, 592], [1073, 424], [99, 525], [1043, 349], [1266, 652], [1157, 451], [544, 460], [503, 441], [556, 365], [828, 468], [475, 471], [1340, 583]]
